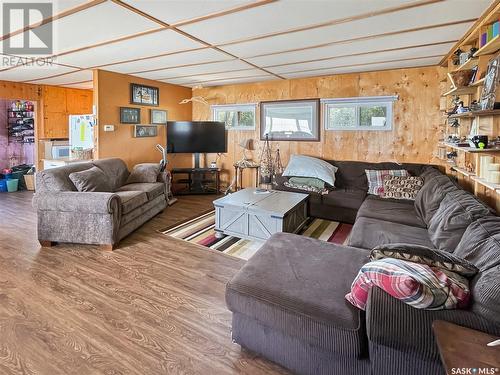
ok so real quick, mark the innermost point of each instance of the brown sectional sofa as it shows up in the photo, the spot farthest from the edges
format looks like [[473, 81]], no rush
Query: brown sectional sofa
[[288, 300]]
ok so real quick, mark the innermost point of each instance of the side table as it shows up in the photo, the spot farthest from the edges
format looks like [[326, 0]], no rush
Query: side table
[[238, 170], [465, 348]]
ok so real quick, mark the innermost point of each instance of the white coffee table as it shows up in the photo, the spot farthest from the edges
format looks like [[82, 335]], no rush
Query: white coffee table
[[246, 214]]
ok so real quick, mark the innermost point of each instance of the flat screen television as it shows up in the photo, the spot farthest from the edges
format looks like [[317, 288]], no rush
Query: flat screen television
[[196, 137]]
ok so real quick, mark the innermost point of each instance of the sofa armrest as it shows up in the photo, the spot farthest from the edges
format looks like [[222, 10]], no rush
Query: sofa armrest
[[74, 201], [394, 324]]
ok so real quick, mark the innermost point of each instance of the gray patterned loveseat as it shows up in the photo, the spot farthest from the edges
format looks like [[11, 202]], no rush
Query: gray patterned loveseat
[[113, 205]]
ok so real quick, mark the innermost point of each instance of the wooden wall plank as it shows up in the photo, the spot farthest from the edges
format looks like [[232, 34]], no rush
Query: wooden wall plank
[[415, 132]]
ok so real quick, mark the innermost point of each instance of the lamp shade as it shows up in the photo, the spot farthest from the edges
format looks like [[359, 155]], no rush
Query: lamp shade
[[246, 144]]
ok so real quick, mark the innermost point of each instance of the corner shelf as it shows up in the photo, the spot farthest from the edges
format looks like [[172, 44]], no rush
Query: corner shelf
[[465, 90], [489, 185], [471, 150], [489, 48], [484, 112], [468, 64], [463, 171], [479, 82]]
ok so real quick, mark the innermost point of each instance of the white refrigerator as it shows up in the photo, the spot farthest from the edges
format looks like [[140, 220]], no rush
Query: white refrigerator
[[81, 136]]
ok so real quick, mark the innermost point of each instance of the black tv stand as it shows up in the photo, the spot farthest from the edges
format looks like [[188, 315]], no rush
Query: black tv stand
[[196, 180]]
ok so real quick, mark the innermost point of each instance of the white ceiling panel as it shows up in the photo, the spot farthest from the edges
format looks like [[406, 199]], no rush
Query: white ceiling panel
[[99, 23], [281, 15], [26, 73], [433, 14], [175, 60], [174, 11], [231, 81], [365, 59], [153, 44], [366, 68], [190, 71], [218, 76], [415, 38], [79, 76]]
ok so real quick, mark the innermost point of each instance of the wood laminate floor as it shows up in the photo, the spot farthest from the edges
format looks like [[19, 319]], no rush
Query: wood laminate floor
[[153, 306]]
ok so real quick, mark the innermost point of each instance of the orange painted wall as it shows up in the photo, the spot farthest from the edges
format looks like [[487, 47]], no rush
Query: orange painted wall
[[112, 91]]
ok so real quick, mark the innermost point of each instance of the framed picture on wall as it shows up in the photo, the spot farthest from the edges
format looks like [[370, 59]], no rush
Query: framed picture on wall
[[129, 115], [144, 95], [290, 120], [159, 116], [144, 131]]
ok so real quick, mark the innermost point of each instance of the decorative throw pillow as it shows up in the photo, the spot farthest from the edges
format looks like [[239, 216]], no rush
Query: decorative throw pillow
[[425, 255], [145, 172], [310, 181], [376, 179], [402, 187], [417, 285], [307, 166], [92, 179]]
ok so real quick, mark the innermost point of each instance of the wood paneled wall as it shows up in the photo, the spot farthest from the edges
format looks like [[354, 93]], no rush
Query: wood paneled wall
[[415, 132], [112, 91]]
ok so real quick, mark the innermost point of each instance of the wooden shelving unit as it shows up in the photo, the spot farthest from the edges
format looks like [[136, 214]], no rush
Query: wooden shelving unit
[[478, 83], [461, 91], [462, 171], [465, 166], [471, 150], [489, 48], [468, 64]]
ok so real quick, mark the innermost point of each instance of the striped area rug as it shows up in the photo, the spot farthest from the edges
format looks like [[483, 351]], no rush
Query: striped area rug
[[200, 230]]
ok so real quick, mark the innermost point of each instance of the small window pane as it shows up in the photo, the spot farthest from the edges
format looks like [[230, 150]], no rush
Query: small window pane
[[339, 117], [375, 116], [236, 117], [246, 119]]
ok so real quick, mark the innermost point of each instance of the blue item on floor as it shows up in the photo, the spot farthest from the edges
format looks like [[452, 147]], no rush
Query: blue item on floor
[[12, 185], [3, 186]]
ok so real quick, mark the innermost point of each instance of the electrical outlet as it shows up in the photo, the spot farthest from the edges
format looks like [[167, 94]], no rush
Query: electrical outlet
[[109, 128]]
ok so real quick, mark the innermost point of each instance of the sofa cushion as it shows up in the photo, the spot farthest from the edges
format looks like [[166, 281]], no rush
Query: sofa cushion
[[397, 211], [57, 179], [152, 190], [417, 285], [92, 179], [130, 200], [376, 178], [344, 198], [115, 169], [297, 285], [351, 174], [368, 233], [144, 172], [307, 166], [485, 289], [457, 211], [402, 187], [429, 197], [480, 243], [424, 255]]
